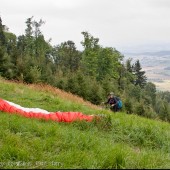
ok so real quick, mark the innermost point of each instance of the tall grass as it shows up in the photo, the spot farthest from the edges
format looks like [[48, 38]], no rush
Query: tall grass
[[114, 141]]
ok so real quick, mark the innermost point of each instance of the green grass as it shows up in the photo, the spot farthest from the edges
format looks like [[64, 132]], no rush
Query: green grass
[[116, 141]]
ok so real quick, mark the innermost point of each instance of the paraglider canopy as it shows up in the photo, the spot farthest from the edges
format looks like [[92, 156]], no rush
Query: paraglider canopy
[[58, 116]]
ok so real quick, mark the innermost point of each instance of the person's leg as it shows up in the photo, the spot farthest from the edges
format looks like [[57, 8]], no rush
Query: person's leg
[[116, 108]]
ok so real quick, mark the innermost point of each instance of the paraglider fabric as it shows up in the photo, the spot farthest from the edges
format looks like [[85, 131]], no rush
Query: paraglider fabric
[[12, 108]]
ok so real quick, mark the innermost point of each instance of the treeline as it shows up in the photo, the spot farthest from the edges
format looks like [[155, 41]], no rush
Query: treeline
[[91, 73]]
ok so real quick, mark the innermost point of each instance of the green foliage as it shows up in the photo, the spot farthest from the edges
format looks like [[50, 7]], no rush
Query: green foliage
[[2, 36], [164, 96], [139, 109], [128, 104], [91, 73], [67, 57], [108, 63], [29, 29], [90, 55], [165, 111], [89, 41], [6, 66], [10, 39], [150, 113], [34, 74], [95, 93], [150, 90], [140, 75], [129, 66], [134, 92], [129, 71]]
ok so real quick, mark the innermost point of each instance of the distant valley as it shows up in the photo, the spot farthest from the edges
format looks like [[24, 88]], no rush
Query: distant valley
[[156, 65]]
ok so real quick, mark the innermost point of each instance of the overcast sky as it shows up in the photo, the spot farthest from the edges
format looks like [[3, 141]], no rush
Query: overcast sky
[[127, 25]]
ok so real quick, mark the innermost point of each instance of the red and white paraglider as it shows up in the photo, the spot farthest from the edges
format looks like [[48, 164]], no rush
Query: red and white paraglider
[[13, 108]]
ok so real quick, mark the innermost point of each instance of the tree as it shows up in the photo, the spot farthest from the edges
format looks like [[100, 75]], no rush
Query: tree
[[165, 112], [37, 25], [89, 41], [67, 57], [108, 63], [83, 82], [6, 66], [129, 66], [150, 90], [90, 55], [95, 93], [10, 39], [2, 36], [140, 78], [29, 29], [34, 42], [134, 92], [29, 48], [129, 71]]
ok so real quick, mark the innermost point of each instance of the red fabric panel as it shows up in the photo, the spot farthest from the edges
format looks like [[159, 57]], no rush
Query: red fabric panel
[[55, 116]]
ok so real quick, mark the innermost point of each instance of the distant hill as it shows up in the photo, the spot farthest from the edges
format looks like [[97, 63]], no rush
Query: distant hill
[[156, 65], [159, 53]]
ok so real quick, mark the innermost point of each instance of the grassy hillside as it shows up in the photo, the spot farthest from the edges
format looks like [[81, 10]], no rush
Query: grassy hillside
[[119, 141]]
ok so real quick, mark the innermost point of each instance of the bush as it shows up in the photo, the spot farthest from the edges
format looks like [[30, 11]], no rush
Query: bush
[[139, 109], [128, 106]]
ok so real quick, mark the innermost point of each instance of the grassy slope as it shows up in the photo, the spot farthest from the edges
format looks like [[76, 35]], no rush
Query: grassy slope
[[131, 141]]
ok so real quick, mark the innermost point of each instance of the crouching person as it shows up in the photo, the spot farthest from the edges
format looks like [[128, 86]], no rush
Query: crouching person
[[114, 102]]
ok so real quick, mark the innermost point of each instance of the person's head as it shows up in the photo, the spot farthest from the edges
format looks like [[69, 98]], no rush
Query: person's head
[[111, 94]]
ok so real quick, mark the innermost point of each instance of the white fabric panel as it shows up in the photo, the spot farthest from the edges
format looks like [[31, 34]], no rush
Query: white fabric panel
[[36, 110]]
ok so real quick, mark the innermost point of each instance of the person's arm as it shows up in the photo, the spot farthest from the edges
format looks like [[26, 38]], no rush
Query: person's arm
[[115, 101]]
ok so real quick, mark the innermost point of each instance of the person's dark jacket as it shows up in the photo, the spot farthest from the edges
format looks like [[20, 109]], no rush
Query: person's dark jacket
[[113, 102]]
